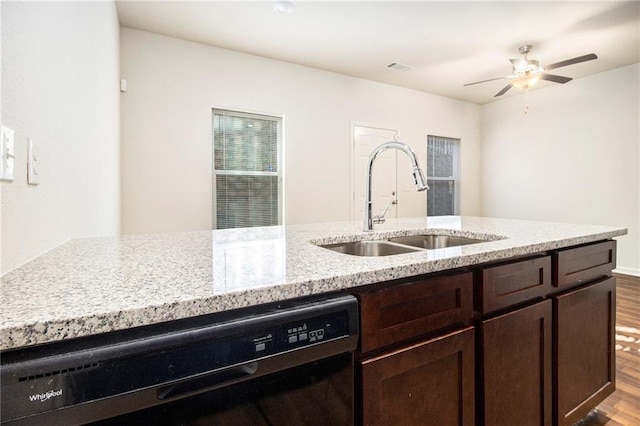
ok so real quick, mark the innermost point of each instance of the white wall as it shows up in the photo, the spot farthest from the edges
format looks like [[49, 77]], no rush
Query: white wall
[[574, 158], [60, 76], [167, 141]]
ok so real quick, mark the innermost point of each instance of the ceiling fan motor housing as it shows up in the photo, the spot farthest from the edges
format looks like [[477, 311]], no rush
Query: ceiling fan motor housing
[[525, 49]]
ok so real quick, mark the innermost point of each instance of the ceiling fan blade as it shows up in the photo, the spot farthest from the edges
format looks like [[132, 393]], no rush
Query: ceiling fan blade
[[589, 57], [555, 78], [484, 81], [504, 90]]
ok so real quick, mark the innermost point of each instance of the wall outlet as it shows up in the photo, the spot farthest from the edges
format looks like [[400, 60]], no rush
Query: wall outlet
[[7, 155], [33, 176]]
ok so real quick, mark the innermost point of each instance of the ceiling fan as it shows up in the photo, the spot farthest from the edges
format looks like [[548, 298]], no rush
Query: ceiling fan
[[527, 72]]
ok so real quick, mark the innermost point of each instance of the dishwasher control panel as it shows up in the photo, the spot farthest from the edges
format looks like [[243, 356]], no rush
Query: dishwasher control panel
[[298, 334]]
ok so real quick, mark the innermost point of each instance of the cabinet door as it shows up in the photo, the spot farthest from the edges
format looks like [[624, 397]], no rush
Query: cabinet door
[[516, 363], [584, 359], [427, 383]]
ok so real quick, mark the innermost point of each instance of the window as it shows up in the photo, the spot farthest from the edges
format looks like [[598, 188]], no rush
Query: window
[[442, 175], [247, 170]]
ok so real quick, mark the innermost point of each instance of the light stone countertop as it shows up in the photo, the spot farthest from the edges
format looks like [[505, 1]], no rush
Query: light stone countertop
[[95, 285]]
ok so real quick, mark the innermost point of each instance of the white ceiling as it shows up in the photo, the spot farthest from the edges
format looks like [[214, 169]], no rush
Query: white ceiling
[[447, 43]]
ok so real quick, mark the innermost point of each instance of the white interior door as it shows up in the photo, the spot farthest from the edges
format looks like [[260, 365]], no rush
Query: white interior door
[[385, 187]]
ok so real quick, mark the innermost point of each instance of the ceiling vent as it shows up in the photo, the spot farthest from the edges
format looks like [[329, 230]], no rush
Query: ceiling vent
[[399, 67]]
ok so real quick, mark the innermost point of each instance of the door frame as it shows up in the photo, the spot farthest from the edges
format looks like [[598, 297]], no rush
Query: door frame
[[352, 171]]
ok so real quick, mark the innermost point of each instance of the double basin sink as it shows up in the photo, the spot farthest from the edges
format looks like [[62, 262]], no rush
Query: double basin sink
[[400, 245]]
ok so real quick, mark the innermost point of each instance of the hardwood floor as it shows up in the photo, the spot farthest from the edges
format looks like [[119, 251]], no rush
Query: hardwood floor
[[623, 406]]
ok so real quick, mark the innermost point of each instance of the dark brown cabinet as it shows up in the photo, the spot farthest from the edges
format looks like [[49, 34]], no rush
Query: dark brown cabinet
[[411, 309], [526, 342], [417, 352], [515, 367], [502, 286], [584, 264], [584, 344], [584, 329], [425, 383]]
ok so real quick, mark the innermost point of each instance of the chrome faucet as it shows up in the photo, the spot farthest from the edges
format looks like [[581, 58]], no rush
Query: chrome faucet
[[418, 176]]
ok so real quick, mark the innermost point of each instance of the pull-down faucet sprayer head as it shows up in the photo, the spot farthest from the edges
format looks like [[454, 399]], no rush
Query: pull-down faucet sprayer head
[[421, 181]]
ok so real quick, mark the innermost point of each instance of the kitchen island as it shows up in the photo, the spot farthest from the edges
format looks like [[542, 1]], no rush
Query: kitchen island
[[98, 285]]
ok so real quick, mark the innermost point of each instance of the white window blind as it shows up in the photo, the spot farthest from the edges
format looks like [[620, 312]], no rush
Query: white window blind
[[247, 170], [442, 175]]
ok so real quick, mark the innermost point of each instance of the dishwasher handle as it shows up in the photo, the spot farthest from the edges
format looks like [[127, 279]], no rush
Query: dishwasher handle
[[210, 381]]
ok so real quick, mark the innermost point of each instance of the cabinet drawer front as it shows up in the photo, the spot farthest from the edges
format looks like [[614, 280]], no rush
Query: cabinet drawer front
[[406, 311], [427, 383], [506, 285], [584, 358], [583, 264]]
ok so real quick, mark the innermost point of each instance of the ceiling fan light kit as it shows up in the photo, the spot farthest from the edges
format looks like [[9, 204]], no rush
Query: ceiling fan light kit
[[527, 72], [524, 65], [526, 82]]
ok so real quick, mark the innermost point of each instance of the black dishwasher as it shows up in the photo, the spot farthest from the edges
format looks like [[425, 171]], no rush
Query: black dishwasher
[[281, 364]]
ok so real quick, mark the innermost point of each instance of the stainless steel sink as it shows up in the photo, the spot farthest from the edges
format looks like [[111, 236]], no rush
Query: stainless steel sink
[[431, 242], [370, 248], [401, 245]]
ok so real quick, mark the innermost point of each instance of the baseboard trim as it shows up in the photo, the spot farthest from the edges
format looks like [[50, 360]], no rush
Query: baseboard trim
[[627, 271]]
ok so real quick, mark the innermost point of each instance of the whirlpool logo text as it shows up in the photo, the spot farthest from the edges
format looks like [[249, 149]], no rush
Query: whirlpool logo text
[[45, 396]]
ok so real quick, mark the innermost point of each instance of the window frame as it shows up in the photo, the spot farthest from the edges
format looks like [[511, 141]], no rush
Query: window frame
[[279, 173], [456, 143]]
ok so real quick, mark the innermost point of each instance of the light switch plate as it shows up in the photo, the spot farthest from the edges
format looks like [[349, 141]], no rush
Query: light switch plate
[[33, 176], [7, 155]]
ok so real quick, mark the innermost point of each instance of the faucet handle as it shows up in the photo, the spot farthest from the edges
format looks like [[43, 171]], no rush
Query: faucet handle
[[380, 218]]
